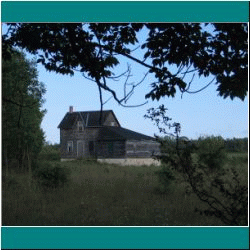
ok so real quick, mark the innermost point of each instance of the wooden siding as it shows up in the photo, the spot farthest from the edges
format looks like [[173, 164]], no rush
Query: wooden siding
[[86, 136], [141, 148], [111, 149]]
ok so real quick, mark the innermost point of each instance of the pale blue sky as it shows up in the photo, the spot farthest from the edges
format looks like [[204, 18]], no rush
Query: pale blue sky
[[204, 113]]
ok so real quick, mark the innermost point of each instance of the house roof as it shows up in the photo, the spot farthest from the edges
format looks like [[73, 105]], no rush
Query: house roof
[[118, 133], [90, 118]]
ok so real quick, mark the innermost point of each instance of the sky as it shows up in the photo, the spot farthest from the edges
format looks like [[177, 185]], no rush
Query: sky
[[200, 114]]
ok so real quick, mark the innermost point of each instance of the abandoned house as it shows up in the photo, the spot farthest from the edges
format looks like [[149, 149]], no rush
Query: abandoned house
[[95, 134]]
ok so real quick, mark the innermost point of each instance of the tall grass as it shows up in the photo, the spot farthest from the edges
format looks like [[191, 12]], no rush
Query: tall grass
[[105, 195]]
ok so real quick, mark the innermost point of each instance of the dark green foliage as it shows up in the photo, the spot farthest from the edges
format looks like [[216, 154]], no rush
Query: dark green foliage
[[236, 145], [50, 153], [235, 210], [218, 50], [22, 96], [211, 152], [51, 176]]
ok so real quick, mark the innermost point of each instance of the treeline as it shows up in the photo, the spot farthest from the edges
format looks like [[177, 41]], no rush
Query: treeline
[[236, 145]]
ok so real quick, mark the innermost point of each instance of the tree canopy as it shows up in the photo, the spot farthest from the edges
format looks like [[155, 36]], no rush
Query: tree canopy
[[22, 96], [219, 50]]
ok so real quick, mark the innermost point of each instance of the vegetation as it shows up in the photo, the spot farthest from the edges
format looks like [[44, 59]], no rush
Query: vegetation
[[217, 49], [22, 98], [105, 195], [202, 165], [50, 176], [89, 193]]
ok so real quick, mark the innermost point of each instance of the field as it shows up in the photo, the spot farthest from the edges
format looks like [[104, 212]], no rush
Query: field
[[106, 195]]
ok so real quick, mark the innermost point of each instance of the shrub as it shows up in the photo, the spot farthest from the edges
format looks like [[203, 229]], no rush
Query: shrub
[[50, 153], [51, 176], [211, 152]]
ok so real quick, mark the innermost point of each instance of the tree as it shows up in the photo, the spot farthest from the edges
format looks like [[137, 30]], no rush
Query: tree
[[218, 50], [21, 111]]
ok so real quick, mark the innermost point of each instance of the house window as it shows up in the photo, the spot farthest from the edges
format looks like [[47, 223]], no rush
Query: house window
[[70, 146], [91, 147], [80, 126]]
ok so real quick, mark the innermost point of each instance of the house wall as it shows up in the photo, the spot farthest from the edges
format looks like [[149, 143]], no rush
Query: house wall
[[87, 135], [111, 149], [142, 149]]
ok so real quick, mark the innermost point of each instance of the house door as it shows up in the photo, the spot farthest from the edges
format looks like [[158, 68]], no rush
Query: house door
[[91, 148], [80, 148]]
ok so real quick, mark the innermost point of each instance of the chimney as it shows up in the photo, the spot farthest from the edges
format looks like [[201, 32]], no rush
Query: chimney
[[71, 109]]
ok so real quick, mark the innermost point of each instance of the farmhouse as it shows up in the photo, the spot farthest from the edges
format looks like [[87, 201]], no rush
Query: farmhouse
[[95, 134]]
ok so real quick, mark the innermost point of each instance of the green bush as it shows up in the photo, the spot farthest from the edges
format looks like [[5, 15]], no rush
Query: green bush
[[211, 152], [51, 176], [50, 153]]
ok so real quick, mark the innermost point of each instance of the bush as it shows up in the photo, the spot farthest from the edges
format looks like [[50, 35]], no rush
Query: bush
[[50, 153], [211, 152], [51, 176]]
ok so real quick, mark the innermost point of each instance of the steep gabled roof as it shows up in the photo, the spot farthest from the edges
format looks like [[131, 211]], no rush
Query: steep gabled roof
[[118, 133], [90, 118]]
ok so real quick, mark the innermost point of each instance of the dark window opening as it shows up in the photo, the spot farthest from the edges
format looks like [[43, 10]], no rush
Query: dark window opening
[[70, 146], [111, 148], [91, 147]]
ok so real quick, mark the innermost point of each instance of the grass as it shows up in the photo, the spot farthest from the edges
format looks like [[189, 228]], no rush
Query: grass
[[105, 195]]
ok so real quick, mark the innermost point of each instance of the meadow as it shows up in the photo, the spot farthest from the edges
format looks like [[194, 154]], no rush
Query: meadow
[[107, 195]]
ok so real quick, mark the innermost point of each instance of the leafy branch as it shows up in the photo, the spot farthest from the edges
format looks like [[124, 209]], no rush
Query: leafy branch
[[220, 188]]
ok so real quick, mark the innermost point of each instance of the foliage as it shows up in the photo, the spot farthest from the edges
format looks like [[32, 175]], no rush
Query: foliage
[[237, 145], [214, 184], [51, 176], [21, 110], [211, 152], [50, 153], [218, 50]]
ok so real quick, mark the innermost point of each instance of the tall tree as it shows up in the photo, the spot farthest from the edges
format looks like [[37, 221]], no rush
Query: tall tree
[[218, 50], [21, 111]]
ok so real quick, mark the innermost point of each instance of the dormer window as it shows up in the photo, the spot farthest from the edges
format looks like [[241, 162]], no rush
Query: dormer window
[[80, 126], [112, 124]]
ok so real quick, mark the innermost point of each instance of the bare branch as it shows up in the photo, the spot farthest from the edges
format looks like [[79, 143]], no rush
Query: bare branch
[[119, 101], [119, 76], [101, 101], [107, 100], [194, 92]]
